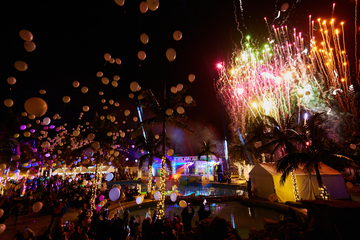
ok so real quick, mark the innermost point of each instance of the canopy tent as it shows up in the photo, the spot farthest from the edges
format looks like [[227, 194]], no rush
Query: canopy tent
[[265, 180]]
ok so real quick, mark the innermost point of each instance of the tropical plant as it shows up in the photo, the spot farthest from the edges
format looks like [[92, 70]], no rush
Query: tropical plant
[[207, 150], [165, 110], [316, 150]]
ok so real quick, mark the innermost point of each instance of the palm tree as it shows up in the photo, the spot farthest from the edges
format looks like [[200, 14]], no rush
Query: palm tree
[[240, 154], [207, 149], [149, 146], [314, 152], [165, 110], [281, 141]]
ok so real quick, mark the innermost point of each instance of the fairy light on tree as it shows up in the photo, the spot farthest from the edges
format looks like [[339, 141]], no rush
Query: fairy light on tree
[[296, 189]]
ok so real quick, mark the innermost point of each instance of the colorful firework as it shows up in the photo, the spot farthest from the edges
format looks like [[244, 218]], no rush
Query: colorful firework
[[286, 75]]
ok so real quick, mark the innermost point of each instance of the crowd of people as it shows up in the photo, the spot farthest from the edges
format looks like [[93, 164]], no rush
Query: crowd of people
[[57, 194]]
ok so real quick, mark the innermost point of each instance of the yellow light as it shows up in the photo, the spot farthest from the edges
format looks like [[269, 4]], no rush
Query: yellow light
[[342, 23], [287, 75], [232, 71], [254, 104], [343, 80], [308, 66], [345, 64]]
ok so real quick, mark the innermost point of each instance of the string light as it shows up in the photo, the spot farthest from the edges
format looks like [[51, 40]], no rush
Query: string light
[[295, 187], [161, 202], [150, 180], [324, 193]]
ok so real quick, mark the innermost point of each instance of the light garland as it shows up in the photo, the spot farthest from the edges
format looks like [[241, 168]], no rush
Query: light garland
[[96, 182], [150, 180], [296, 190], [161, 202], [324, 193]]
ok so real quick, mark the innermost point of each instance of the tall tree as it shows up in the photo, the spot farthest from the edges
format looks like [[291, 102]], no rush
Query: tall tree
[[207, 149], [316, 150]]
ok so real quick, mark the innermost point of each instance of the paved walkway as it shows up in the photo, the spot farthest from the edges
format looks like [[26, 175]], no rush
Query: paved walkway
[[37, 222]]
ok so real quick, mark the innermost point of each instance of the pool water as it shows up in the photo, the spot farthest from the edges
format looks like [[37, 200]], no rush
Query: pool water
[[241, 217]]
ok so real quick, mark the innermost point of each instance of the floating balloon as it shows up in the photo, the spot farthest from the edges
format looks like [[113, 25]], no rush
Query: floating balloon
[[170, 54], [42, 91], [91, 136], [26, 35], [353, 146], [177, 35], [101, 198], [179, 87], [66, 99], [16, 135], [127, 112], [284, 7], [89, 152], [111, 60], [27, 134], [169, 112], [109, 177], [120, 2], [46, 121], [99, 74], [31, 116], [84, 89], [105, 80], [135, 119], [95, 145], [85, 108], [141, 55], [144, 38], [118, 61], [143, 7], [191, 77], [173, 197], [173, 90], [2, 228], [37, 206], [107, 56], [8, 102], [11, 80], [180, 110], [134, 86], [157, 195], [29, 46], [183, 204], [188, 99], [170, 152], [1, 212], [349, 185], [122, 134], [76, 133], [36, 106], [153, 4], [139, 199], [114, 83], [76, 84], [114, 194], [21, 66]]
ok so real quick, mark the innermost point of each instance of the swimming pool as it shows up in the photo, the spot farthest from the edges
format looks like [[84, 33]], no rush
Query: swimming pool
[[241, 217]]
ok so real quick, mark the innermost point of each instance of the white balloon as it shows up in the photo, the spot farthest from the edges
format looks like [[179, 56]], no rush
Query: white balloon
[[157, 195], [76, 84], [126, 112], [66, 99], [84, 89], [183, 204], [173, 90], [120, 2], [46, 121], [11, 80], [143, 7], [144, 38], [8, 102], [139, 199], [173, 197], [180, 110], [26, 35], [141, 55], [114, 194], [2, 228], [99, 74], [179, 87], [153, 4], [107, 56], [109, 177], [37, 206], [177, 35], [29, 46], [188, 99], [134, 86], [191, 77], [169, 111], [170, 54]]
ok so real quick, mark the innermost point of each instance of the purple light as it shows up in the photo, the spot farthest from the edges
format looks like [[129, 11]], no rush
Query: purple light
[[46, 127], [219, 65], [22, 127], [47, 155], [52, 126], [32, 130]]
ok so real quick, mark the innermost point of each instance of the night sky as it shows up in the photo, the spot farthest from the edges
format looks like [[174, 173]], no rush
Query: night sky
[[72, 37]]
